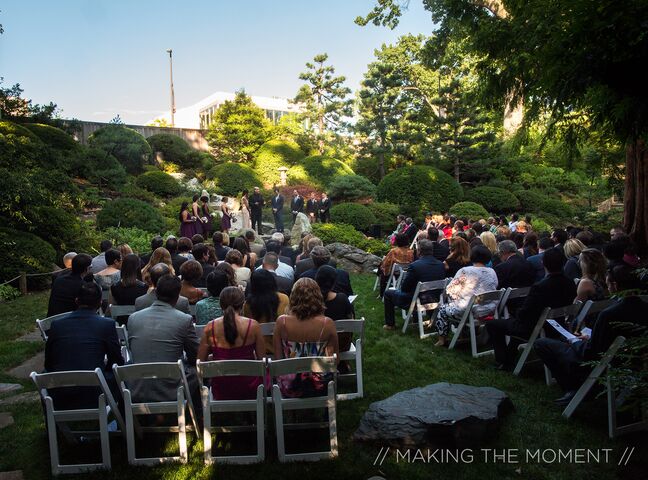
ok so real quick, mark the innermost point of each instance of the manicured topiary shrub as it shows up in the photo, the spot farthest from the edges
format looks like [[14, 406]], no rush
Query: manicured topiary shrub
[[274, 154], [174, 150], [493, 199], [25, 252], [125, 144], [351, 187], [386, 214], [19, 147], [354, 214], [419, 189], [160, 183], [470, 210], [232, 178], [52, 136], [343, 233], [540, 203], [129, 212], [58, 227], [318, 170]]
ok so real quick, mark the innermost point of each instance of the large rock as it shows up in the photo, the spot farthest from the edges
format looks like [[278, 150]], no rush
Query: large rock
[[353, 259], [438, 415], [302, 225]]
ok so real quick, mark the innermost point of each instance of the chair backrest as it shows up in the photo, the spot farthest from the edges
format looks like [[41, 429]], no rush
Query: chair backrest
[[565, 311], [486, 297], [433, 285], [122, 335], [192, 309], [303, 365], [46, 323], [511, 294], [267, 328], [121, 310], [140, 371], [230, 368], [200, 329], [353, 326]]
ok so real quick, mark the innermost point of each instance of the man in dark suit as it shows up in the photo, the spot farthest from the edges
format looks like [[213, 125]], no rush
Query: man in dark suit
[[271, 263], [156, 243], [66, 287], [441, 250], [322, 256], [176, 259], [425, 269], [256, 209], [325, 208], [81, 341], [513, 271], [277, 209], [555, 290], [312, 208], [296, 204], [201, 255], [544, 243], [627, 317]]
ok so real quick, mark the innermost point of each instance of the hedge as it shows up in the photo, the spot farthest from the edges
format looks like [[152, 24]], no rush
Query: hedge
[[318, 170], [351, 187], [385, 214], [354, 214], [232, 178], [533, 201], [19, 147], [340, 232], [125, 144], [274, 154], [160, 183], [174, 150], [129, 212], [52, 136], [25, 252], [494, 199], [420, 188], [469, 210]]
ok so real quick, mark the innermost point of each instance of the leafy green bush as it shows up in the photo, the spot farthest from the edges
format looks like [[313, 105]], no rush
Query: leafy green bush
[[59, 227], [160, 183], [354, 214], [419, 189], [174, 150], [470, 210], [318, 170], [540, 225], [25, 252], [493, 199], [139, 240], [385, 214], [129, 212], [125, 144], [98, 167], [274, 154], [53, 137], [232, 178], [20, 148], [8, 293], [339, 232], [351, 187], [533, 201]]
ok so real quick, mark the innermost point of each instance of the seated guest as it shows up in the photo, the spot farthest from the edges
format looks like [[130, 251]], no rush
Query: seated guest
[[185, 245], [155, 273], [305, 332], [66, 287], [530, 245], [227, 269], [441, 249], [271, 264], [336, 305], [235, 259], [572, 249], [176, 259], [586, 237], [220, 246], [160, 255], [201, 255], [209, 308], [99, 262], [81, 341], [110, 275], [555, 290], [615, 252], [322, 256], [410, 230], [287, 250], [544, 244], [162, 333], [248, 258], [514, 271], [592, 285], [559, 237], [67, 265], [425, 269], [129, 288], [257, 248], [469, 281], [196, 239], [304, 261], [263, 301], [191, 272], [211, 256], [125, 249], [459, 256], [283, 269], [401, 253], [627, 317], [156, 243], [232, 337]]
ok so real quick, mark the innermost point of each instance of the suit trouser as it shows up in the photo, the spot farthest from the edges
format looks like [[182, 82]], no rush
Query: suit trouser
[[395, 298], [256, 221], [563, 359], [498, 329], [279, 226]]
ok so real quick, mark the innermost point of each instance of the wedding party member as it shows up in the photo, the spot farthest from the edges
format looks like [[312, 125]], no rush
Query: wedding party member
[[312, 207], [256, 209], [325, 209], [206, 217], [226, 219], [296, 204], [197, 214], [277, 204], [187, 221], [246, 223]]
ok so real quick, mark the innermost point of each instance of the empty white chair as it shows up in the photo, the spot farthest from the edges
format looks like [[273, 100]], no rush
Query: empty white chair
[[57, 417], [423, 288], [159, 370], [321, 365], [377, 282], [353, 355], [45, 324], [229, 368]]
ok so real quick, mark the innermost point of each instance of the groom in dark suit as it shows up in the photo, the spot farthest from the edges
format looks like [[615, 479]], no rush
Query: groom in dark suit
[[277, 209], [296, 204]]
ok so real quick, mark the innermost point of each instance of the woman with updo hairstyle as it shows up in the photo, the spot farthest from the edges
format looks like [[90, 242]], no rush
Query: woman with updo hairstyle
[[232, 337], [242, 274], [336, 305], [191, 271]]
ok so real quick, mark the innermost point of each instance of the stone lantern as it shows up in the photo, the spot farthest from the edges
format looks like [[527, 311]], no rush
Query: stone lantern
[[283, 173]]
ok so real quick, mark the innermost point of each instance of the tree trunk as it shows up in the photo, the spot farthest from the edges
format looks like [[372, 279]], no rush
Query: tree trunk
[[320, 141], [635, 198]]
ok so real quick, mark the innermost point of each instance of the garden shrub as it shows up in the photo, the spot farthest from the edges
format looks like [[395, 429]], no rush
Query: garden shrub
[[129, 212], [8, 293], [470, 210], [354, 214], [232, 178], [139, 240], [131, 190], [160, 183], [53, 137], [533, 201], [274, 154], [493, 199], [98, 167], [20, 148], [342, 233], [58, 227], [125, 144], [351, 187], [318, 170], [174, 150], [540, 225], [385, 214], [25, 252], [419, 189]]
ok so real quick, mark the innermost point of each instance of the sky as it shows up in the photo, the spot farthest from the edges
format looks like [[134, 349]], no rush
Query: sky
[[99, 58]]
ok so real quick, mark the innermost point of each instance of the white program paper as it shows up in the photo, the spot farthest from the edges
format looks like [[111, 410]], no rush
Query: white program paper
[[559, 328], [352, 298]]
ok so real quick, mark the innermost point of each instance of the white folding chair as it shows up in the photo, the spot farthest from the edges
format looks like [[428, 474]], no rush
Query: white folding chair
[[200, 329], [45, 323], [321, 365], [591, 308], [423, 308], [159, 370], [511, 294], [267, 328], [538, 332], [192, 309], [377, 282], [122, 336], [354, 354], [396, 275], [59, 417], [474, 323], [121, 310], [229, 368]]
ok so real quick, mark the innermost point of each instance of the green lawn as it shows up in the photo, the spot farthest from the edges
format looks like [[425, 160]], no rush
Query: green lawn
[[392, 362]]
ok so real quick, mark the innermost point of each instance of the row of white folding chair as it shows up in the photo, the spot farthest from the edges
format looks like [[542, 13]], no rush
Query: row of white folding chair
[[396, 275], [58, 418], [45, 323], [511, 294], [423, 308], [259, 368]]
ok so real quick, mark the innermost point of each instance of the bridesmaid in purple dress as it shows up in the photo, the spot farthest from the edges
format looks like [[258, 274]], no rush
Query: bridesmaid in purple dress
[[187, 221], [226, 219]]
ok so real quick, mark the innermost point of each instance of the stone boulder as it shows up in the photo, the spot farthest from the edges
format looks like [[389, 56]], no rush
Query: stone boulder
[[439, 415], [353, 259], [302, 225]]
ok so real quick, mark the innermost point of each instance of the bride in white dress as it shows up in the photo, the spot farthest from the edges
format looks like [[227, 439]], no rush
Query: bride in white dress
[[245, 211]]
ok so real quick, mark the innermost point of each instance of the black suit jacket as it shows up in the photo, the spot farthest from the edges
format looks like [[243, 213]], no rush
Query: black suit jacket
[[202, 281], [342, 281], [256, 203], [425, 269], [63, 295], [277, 203], [411, 231], [177, 260], [325, 205], [515, 272], [441, 251], [312, 206], [297, 204]]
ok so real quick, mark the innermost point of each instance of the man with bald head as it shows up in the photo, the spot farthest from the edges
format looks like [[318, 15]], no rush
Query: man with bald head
[[158, 271]]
